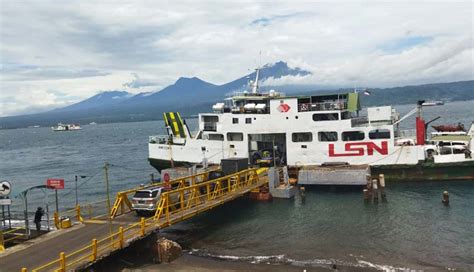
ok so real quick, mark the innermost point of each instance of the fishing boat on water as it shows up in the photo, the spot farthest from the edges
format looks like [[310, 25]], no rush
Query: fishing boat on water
[[315, 130], [66, 127]]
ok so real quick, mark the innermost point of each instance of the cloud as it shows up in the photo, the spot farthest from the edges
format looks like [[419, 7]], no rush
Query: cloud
[[265, 21], [81, 48], [138, 82], [404, 43], [15, 72]]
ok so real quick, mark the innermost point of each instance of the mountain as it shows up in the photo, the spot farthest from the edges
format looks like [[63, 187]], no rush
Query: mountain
[[99, 100], [193, 95]]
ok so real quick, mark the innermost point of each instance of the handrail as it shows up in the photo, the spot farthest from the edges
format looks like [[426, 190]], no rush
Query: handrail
[[11, 232], [188, 197], [122, 201]]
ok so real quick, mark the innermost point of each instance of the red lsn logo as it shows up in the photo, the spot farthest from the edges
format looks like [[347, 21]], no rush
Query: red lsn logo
[[284, 107], [359, 149]]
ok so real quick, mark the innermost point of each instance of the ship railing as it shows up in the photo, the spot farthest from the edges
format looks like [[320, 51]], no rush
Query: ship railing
[[159, 139], [322, 106], [359, 121]]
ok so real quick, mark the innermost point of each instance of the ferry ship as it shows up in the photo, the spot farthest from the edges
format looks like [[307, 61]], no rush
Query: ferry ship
[[301, 131], [66, 127]]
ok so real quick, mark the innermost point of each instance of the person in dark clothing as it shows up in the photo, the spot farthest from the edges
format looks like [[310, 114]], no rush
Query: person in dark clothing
[[38, 215]]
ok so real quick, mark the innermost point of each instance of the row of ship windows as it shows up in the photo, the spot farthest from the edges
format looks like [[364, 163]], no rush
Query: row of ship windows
[[316, 117], [332, 136], [323, 136]]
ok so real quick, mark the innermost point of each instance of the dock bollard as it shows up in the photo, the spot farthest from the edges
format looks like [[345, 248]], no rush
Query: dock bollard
[[445, 200]]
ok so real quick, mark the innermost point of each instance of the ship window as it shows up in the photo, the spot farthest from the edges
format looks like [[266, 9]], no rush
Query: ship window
[[379, 134], [248, 120], [210, 118], [235, 136], [353, 136], [327, 136], [302, 137], [216, 137], [345, 115], [325, 116], [235, 120]]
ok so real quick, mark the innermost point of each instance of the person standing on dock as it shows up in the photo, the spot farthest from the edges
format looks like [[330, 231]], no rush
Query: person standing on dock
[[38, 215]]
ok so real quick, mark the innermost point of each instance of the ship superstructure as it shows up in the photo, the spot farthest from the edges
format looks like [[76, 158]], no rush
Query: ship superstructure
[[293, 131]]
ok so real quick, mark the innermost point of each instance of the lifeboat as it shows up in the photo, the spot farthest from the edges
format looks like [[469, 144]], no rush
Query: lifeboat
[[449, 128]]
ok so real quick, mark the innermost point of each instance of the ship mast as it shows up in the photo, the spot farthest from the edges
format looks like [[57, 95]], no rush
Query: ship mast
[[255, 83]]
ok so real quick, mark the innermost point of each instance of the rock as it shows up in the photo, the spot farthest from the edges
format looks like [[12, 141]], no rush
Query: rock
[[167, 250]]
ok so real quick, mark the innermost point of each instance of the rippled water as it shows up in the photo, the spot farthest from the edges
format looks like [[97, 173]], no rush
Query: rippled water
[[411, 230]]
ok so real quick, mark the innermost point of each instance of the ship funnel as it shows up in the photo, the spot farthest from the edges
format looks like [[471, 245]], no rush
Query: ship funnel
[[420, 131]]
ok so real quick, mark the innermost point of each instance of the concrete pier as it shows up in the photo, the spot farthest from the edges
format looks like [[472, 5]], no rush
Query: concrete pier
[[333, 175]]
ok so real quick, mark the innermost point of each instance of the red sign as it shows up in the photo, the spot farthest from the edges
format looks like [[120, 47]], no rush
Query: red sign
[[284, 107], [57, 184], [359, 149]]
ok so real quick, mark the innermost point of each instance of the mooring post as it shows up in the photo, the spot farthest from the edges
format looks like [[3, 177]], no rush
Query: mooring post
[[152, 178], [302, 194], [366, 195], [382, 185], [445, 200], [375, 189], [369, 186]]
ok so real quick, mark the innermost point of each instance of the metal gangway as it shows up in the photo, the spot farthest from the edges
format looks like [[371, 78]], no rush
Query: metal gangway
[[186, 197]]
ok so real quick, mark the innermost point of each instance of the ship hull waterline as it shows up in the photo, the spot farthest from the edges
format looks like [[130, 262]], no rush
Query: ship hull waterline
[[423, 171]]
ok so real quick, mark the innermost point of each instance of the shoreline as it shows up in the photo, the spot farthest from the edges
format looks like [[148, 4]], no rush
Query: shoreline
[[191, 262]]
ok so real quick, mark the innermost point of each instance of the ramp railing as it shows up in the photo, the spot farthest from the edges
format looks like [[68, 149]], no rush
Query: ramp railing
[[213, 192], [122, 202], [175, 205]]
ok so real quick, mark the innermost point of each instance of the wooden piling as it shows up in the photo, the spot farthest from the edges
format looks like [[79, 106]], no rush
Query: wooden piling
[[382, 185], [375, 189], [366, 195], [445, 200]]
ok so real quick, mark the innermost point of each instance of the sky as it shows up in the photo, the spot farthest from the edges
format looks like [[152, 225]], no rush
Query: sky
[[55, 53]]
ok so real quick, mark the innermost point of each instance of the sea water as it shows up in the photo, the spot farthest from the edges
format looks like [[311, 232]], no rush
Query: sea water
[[412, 229]]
